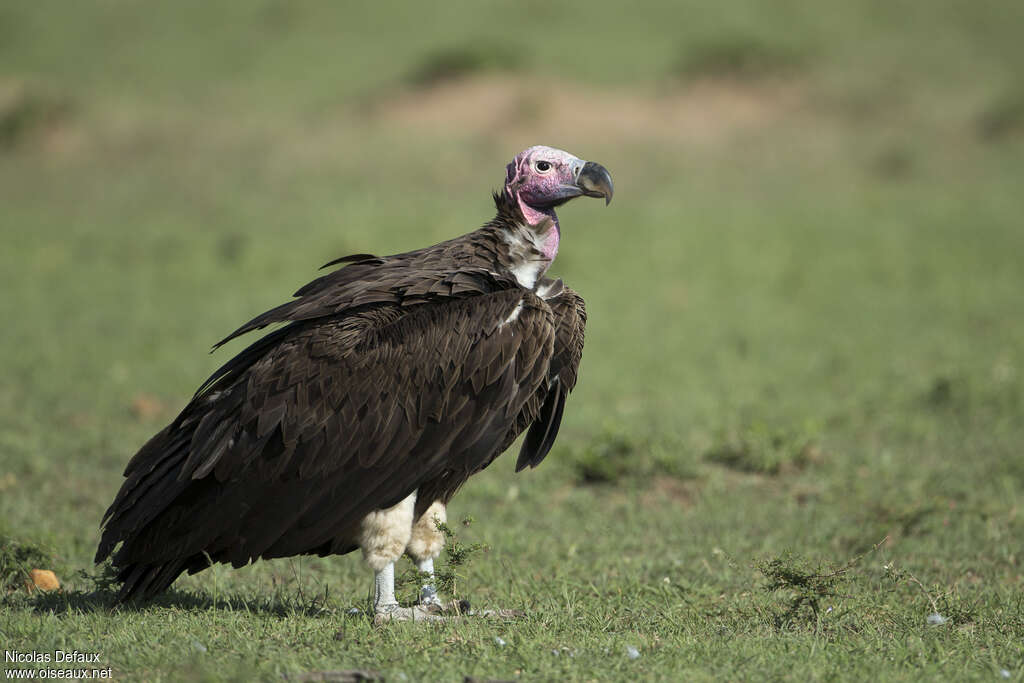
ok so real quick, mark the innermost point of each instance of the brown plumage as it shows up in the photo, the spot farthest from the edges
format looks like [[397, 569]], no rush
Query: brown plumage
[[391, 375]]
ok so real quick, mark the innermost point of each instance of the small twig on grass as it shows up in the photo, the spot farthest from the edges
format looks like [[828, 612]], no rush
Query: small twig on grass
[[898, 575], [808, 585], [102, 578], [458, 554]]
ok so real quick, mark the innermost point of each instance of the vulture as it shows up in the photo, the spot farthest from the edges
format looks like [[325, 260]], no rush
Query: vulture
[[387, 383]]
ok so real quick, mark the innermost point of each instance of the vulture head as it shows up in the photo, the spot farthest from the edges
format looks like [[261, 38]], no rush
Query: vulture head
[[541, 178]]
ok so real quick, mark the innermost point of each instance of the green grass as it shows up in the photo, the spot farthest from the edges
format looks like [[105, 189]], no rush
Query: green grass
[[805, 331]]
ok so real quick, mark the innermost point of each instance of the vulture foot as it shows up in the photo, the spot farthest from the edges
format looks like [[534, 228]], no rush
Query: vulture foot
[[429, 598], [438, 612], [432, 613]]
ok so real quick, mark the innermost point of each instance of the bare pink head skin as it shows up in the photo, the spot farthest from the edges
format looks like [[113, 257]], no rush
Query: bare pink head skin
[[542, 178]]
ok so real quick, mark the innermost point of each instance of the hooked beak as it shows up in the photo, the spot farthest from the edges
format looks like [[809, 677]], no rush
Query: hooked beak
[[595, 181], [590, 179]]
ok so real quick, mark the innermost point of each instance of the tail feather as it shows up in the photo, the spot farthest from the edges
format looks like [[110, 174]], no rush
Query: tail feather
[[151, 488], [142, 498], [143, 581]]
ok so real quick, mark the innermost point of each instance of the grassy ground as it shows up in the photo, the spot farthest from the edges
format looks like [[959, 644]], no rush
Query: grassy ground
[[797, 433]]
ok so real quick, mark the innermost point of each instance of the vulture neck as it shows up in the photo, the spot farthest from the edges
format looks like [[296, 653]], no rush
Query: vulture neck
[[531, 237]]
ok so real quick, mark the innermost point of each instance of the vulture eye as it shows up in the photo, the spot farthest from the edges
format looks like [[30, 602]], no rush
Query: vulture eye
[[543, 166]]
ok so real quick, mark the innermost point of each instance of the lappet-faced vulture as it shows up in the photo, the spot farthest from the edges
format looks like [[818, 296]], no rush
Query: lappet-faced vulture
[[392, 380]]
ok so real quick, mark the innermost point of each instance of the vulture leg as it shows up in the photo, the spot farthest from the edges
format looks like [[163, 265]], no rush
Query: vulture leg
[[383, 536], [428, 593], [384, 600], [425, 545]]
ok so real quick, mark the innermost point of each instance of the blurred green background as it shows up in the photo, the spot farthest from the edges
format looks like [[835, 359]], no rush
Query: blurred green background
[[805, 304]]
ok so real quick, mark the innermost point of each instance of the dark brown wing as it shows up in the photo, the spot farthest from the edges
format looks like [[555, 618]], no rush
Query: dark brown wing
[[328, 420], [571, 320]]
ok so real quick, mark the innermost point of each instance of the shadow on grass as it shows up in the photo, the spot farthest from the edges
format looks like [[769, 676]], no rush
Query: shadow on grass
[[105, 600]]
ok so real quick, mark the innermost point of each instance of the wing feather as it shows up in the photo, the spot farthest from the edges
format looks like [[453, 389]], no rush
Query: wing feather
[[570, 314]]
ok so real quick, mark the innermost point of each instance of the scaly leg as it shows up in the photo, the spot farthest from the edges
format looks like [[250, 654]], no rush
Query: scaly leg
[[428, 594], [384, 601], [425, 544]]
